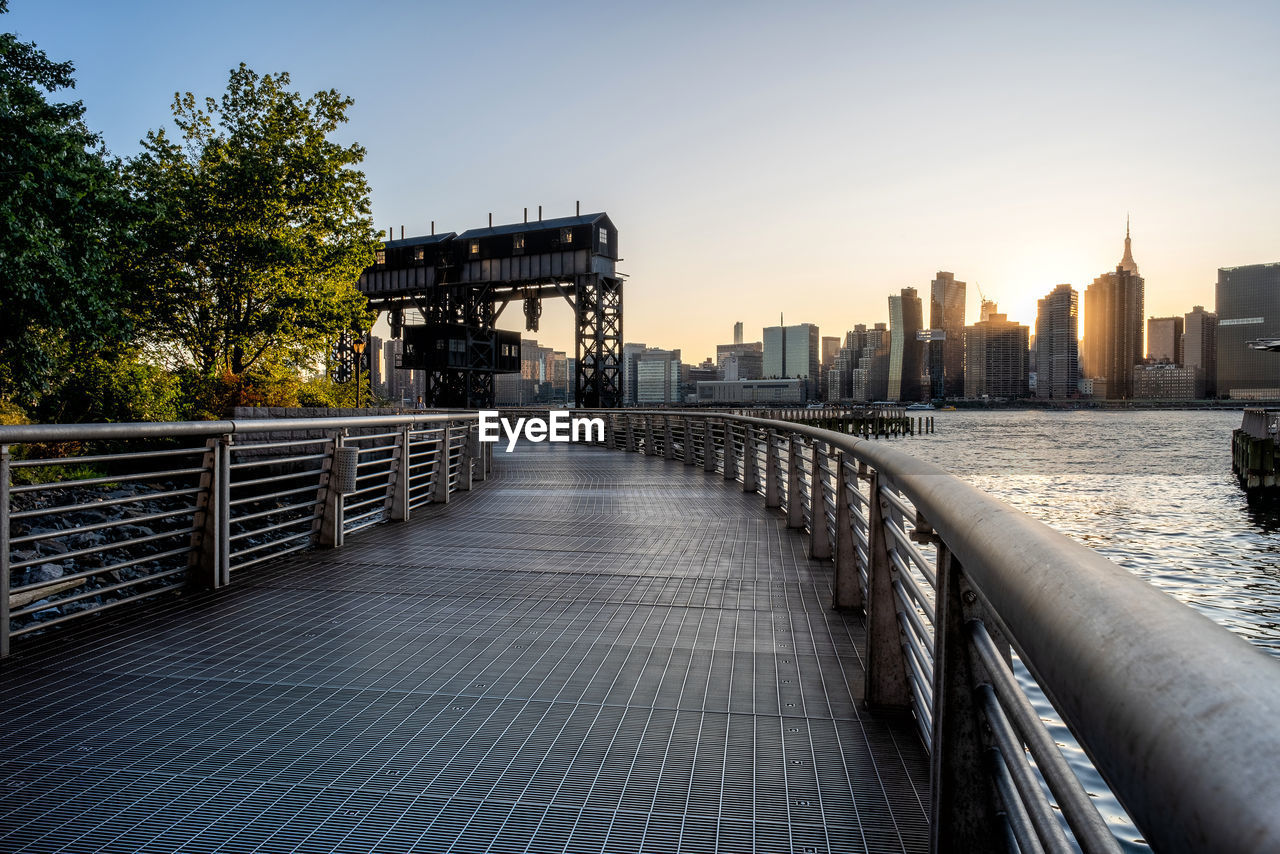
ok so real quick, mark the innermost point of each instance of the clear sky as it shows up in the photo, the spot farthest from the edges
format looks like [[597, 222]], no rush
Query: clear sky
[[764, 158]]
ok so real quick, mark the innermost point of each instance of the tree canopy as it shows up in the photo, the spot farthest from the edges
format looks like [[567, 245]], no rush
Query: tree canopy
[[262, 228], [67, 227]]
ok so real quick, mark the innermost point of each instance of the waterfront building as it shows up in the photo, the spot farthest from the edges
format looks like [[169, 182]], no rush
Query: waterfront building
[[874, 359], [747, 359], [946, 318], [691, 375], [1114, 309], [630, 357], [1166, 381], [1248, 302], [658, 377], [1164, 339], [905, 349], [792, 352], [1200, 346], [737, 332], [995, 357], [1057, 345], [723, 392]]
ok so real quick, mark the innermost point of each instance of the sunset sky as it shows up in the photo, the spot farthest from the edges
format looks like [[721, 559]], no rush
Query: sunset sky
[[765, 158]]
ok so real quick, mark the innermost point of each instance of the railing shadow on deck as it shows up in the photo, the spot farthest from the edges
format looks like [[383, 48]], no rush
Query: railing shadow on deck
[[1177, 713]]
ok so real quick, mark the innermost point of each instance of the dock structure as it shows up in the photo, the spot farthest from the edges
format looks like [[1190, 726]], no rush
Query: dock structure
[[689, 631], [869, 422], [1255, 453]]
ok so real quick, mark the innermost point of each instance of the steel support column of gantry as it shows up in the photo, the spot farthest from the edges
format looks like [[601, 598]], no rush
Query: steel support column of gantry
[[598, 310]]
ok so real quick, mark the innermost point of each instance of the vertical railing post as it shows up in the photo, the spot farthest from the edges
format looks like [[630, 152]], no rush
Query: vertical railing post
[[440, 485], [631, 433], [795, 498], [465, 457], [846, 588], [475, 449], [668, 445], [332, 523], [398, 501], [772, 489], [5, 579], [887, 684], [730, 451], [750, 462], [708, 445], [819, 537], [204, 563], [690, 456], [963, 815], [650, 447]]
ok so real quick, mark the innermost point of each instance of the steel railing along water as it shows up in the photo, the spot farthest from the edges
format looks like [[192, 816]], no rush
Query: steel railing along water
[[1177, 713]]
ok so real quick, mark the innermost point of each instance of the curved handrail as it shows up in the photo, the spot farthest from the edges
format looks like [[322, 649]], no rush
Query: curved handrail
[[1176, 712]]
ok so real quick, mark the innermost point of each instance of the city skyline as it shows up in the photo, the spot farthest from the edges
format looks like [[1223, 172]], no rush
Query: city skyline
[[808, 161]]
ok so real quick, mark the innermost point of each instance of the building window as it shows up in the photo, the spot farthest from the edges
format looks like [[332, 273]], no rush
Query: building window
[[604, 239], [418, 254], [475, 247], [517, 243], [566, 235], [380, 256]]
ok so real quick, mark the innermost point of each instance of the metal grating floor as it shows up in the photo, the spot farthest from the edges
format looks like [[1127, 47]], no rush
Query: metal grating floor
[[591, 652]]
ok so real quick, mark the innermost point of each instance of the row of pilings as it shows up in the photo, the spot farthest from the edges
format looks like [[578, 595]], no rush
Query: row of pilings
[[871, 423]]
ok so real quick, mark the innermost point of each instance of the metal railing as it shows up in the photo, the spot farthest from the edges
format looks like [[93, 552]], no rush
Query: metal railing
[[82, 534], [1178, 714]]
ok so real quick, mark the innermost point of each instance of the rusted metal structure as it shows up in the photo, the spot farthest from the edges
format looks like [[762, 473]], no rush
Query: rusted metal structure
[[445, 293]]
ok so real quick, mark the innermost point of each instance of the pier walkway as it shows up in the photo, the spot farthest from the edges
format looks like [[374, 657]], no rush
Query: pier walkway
[[593, 651]]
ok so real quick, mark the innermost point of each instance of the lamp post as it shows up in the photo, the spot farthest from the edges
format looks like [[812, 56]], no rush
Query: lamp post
[[357, 347]]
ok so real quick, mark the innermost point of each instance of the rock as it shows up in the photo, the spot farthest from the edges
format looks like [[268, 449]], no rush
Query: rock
[[24, 556], [44, 572], [90, 517], [53, 547], [87, 540]]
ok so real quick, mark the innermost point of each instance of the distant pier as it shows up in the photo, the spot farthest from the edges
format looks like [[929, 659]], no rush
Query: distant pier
[[1255, 453], [870, 422]]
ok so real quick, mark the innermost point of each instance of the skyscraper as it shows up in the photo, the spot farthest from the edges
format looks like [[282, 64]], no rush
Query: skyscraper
[[791, 351], [1113, 308], [946, 356], [905, 318], [1164, 339], [1058, 355], [737, 332], [1200, 346], [1248, 301], [995, 357]]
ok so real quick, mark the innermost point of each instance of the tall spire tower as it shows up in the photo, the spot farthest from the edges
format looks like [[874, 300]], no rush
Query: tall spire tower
[[1127, 261]]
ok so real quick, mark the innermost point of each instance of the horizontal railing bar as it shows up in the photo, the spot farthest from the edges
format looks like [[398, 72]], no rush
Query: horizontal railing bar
[[917, 557], [287, 443], [106, 547], [14, 434], [99, 458], [1030, 795], [904, 576], [369, 514], [95, 481], [275, 461], [107, 502], [257, 560], [100, 526], [1089, 827], [913, 615], [285, 508], [100, 570], [1020, 824], [89, 594], [289, 539], [277, 478], [46, 624], [250, 499], [357, 505], [289, 523]]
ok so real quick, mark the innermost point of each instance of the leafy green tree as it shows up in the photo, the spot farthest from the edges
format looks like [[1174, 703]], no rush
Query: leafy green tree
[[68, 228], [264, 226], [116, 386]]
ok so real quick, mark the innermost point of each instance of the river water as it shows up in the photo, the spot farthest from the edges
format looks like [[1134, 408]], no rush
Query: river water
[[1153, 491]]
